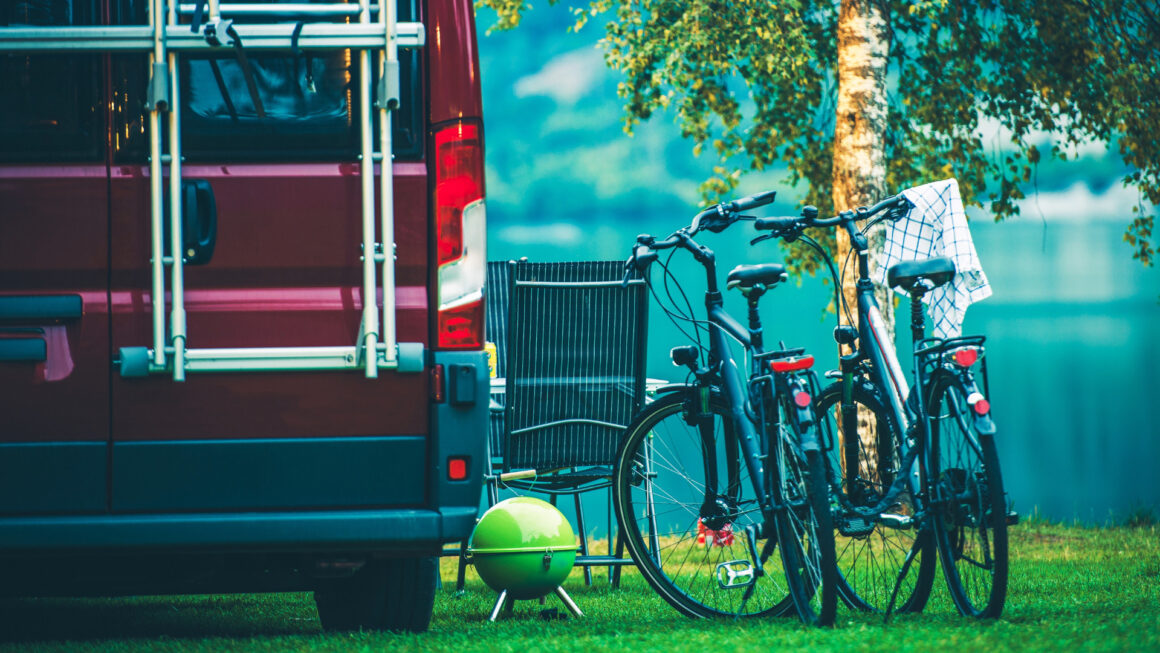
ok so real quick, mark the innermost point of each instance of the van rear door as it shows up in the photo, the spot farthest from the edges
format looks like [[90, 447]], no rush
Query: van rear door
[[285, 272], [54, 235]]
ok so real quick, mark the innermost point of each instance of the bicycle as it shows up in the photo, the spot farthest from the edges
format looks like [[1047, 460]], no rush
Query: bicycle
[[926, 475], [729, 467]]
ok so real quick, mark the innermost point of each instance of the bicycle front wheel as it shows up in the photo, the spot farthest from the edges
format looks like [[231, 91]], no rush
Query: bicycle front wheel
[[871, 551], [687, 511], [970, 511], [804, 528]]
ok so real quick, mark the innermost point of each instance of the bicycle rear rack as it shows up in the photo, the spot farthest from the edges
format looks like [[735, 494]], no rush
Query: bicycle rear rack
[[164, 39]]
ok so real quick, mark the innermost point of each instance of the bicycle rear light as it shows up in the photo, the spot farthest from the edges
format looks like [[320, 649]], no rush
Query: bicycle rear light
[[981, 405], [803, 399], [966, 356], [792, 364], [460, 232]]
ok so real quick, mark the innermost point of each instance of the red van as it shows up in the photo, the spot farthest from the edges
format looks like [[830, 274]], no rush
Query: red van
[[197, 392]]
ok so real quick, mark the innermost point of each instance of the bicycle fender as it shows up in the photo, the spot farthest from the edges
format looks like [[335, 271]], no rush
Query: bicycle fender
[[671, 388], [985, 425], [810, 438]]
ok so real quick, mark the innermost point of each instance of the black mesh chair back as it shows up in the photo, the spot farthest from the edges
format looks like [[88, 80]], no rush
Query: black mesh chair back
[[570, 344], [575, 363], [495, 332]]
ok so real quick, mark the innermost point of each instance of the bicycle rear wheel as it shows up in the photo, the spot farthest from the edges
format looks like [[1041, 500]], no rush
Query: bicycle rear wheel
[[706, 558], [970, 511], [871, 552], [804, 528]]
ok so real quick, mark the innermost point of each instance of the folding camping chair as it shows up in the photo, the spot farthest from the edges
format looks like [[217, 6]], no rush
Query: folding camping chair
[[570, 342]]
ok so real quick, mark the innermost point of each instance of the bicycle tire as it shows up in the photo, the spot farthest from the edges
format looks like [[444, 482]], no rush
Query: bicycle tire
[[871, 554], [970, 509], [661, 456], [805, 528]]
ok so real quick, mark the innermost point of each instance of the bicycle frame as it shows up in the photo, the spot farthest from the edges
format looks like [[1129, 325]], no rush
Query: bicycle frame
[[875, 346], [734, 385]]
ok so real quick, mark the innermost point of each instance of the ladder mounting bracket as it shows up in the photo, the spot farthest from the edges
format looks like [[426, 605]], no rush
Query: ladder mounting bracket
[[157, 95], [387, 93], [216, 30]]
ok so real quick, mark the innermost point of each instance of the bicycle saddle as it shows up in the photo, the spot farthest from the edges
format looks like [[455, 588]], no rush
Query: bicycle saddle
[[906, 275], [746, 277]]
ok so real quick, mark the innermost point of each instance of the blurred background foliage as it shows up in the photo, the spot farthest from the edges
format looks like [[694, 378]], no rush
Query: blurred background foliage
[[1072, 326]]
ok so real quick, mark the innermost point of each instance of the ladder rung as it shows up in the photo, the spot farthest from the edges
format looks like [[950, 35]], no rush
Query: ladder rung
[[314, 36]]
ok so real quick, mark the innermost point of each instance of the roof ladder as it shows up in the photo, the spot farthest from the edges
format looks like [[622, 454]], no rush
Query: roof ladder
[[377, 30]]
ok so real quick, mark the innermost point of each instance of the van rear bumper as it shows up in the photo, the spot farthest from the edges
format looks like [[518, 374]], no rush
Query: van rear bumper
[[396, 531]]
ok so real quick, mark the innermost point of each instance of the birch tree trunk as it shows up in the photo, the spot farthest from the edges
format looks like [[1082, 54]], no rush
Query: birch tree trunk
[[860, 124], [860, 156]]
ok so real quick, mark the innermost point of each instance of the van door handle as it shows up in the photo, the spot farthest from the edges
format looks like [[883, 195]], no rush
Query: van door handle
[[198, 222]]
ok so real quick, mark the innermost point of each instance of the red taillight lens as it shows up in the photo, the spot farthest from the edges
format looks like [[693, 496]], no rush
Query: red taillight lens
[[802, 399], [460, 236], [965, 357], [461, 327], [792, 364], [458, 182]]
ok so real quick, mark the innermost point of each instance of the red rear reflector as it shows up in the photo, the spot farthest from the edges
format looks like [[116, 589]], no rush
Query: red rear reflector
[[456, 468], [461, 327], [792, 364], [802, 399], [982, 407], [966, 356]]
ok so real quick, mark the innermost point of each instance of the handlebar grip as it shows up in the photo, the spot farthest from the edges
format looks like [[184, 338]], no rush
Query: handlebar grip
[[774, 224], [753, 201]]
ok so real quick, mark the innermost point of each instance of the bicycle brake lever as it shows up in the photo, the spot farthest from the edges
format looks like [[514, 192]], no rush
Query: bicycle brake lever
[[761, 238]]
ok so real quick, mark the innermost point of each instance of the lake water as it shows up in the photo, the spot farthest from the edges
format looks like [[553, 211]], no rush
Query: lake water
[[1073, 347]]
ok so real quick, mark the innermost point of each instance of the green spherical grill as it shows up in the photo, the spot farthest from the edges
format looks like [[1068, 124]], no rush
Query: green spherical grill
[[523, 545]]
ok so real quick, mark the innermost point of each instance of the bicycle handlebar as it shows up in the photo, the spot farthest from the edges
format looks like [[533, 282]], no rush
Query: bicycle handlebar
[[809, 216], [753, 201], [716, 218], [791, 228]]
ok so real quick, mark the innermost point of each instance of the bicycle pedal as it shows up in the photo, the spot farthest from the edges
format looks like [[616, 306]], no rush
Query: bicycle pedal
[[1012, 518], [736, 574], [895, 521]]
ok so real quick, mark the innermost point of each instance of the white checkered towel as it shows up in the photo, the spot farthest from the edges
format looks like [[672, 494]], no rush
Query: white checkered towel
[[937, 226]]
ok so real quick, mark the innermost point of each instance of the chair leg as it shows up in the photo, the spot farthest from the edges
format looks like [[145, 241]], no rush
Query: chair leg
[[461, 573], [613, 570], [583, 538], [492, 498], [615, 573]]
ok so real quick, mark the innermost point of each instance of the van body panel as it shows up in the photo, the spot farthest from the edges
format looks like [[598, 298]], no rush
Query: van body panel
[[53, 478], [286, 272], [267, 474], [453, 58]]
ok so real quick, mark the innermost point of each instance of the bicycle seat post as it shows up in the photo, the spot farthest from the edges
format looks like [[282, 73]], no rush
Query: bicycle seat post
[[917, 319], [753, 297]]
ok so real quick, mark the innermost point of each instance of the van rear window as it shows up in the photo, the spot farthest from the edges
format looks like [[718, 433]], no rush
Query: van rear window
[[307, 101], [49, 103]]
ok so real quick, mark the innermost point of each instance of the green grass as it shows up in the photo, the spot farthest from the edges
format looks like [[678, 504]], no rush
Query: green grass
[[1071, 588]]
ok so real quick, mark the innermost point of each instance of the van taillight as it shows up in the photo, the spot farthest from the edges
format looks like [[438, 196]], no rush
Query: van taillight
[[460, 236]]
